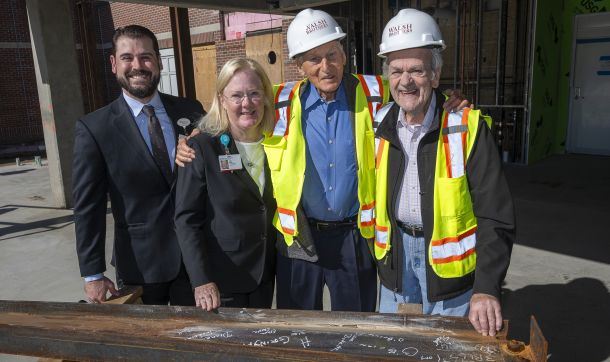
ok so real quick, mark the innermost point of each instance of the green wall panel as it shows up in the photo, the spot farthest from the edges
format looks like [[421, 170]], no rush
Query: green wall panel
[[551, 76]]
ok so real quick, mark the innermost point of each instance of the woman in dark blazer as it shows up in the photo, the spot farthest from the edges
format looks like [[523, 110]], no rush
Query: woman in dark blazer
[[224, 198]]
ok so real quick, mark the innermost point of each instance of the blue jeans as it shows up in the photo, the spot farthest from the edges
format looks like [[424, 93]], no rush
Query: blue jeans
[[414, 288]]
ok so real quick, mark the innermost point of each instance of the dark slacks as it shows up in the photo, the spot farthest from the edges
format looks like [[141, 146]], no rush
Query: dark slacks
[[174, 292], [261, 297], [345, 265]]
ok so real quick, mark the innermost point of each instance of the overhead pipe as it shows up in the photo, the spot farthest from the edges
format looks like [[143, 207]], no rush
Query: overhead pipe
[[530, 71], [348, 41], [479, 49], [500, 65], [456, 52], [501, 53], [520, 77], [462, 46], [363, 36]]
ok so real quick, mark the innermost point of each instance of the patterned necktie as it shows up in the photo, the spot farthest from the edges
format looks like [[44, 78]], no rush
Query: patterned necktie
[[159, 149]]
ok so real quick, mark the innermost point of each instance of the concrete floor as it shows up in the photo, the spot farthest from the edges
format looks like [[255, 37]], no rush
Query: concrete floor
[[560, 270]]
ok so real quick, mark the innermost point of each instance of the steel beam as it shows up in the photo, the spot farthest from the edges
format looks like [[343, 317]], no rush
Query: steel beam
[[142, 333], [225, 5], [291, 5]]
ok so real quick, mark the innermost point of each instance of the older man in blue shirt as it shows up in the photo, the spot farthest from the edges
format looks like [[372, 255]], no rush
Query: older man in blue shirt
[[330, 195]]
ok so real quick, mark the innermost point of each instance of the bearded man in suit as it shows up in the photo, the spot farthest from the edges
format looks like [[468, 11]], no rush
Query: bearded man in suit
[[126, 150]]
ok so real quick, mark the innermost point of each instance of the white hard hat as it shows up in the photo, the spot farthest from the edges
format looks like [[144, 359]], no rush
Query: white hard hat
[[410, 28], [309, 29]]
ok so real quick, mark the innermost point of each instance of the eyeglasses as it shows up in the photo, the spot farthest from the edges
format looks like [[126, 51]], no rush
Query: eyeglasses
[[332, 56], [236, 98], [413, 73]]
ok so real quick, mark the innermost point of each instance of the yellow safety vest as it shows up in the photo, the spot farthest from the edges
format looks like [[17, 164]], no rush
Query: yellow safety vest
[[285, 150], [451, 251]]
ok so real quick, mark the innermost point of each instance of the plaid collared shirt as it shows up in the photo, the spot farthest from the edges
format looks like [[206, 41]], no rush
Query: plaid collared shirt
[[408, 208]]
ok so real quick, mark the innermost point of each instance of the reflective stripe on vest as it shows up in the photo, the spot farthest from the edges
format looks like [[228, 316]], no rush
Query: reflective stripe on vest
[[287, 220], [455, 129], [381, 239], [283, 97], [453, 248], [367, 215], [378, 118], [383, 229], [373, 88]]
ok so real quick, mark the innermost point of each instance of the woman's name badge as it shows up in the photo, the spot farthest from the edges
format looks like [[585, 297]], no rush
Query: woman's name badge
[[230, 162]]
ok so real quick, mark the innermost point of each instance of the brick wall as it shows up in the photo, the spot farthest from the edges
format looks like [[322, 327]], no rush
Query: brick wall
[[20, 120], [155, 18], [291, 71], [228, 49], [199, 17]]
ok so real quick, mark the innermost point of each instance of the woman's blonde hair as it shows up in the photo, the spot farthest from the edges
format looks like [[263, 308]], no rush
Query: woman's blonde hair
[[217, 121]]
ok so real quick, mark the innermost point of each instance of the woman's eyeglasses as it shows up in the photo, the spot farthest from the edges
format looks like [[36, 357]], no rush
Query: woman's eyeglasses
[[238, 98]]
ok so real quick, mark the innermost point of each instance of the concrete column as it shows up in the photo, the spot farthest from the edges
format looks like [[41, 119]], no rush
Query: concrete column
[[59, 89]]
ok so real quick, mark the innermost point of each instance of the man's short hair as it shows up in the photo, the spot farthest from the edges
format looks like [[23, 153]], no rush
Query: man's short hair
[[437, 59], [134, 32]]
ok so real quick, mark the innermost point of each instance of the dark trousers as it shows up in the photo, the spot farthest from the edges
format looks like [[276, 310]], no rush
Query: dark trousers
[[345, 265], [261, 297], [174, 292]]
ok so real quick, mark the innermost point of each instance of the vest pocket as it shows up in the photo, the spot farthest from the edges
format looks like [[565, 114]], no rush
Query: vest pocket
[[455, 203], [274, 149]]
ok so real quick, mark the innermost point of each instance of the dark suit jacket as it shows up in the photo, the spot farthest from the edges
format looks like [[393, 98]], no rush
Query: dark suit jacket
[[111, 157], [223, 224]]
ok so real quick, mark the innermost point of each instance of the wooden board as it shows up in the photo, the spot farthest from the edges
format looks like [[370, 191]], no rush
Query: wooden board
[[204, 62], [139, 332], [258, 48]]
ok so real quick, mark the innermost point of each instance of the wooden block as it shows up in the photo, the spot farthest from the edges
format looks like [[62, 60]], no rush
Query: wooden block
[[127, 295], [410, 308]]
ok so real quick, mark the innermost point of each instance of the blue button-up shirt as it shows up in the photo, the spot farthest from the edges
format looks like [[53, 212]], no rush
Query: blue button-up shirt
[[142, 122], [330, 190]]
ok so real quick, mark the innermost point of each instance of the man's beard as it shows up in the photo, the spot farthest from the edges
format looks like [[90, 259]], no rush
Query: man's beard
[[142, 90]]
